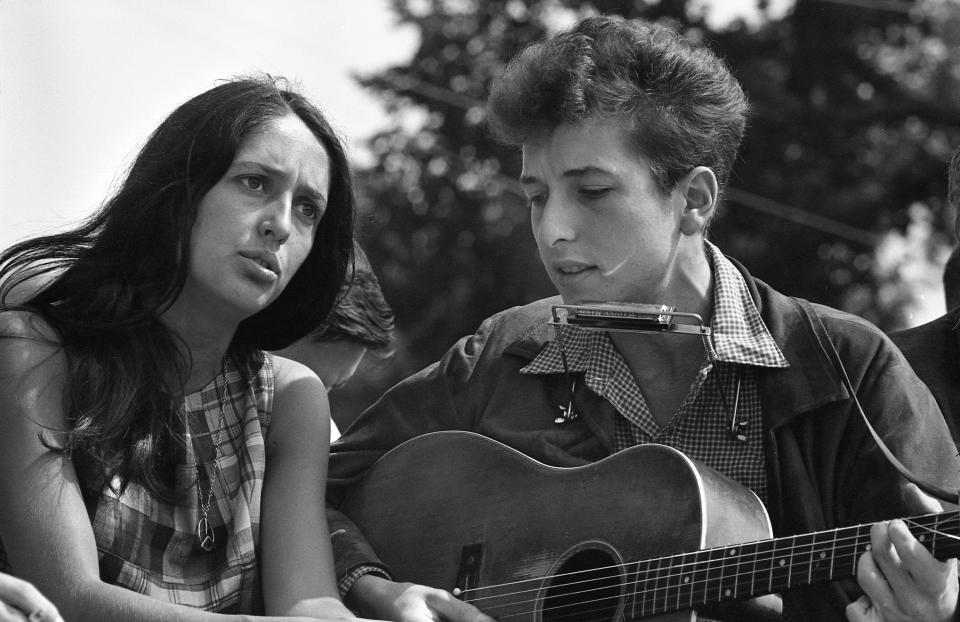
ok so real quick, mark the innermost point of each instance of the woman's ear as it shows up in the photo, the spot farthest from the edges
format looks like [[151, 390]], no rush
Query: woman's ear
[[700, 190]]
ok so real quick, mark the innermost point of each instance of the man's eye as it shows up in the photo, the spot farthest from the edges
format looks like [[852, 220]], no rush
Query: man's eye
[[594, 192], [536, 201]]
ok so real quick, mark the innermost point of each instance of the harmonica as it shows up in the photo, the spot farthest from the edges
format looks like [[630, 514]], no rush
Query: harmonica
[[628, 317]]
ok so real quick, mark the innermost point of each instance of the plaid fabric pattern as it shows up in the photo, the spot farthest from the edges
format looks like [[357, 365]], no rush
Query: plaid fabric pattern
[[151, 547], [701, 426], [346, 583]]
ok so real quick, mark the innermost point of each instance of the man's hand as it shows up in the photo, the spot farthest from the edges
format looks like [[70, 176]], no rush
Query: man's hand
[[406, 602], [900, 578]]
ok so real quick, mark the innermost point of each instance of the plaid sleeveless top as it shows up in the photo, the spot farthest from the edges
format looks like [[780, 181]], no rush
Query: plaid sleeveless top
[[151, 546]]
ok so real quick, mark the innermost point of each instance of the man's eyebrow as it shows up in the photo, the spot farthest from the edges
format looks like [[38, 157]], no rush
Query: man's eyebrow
[[585, 170], [573, 172]]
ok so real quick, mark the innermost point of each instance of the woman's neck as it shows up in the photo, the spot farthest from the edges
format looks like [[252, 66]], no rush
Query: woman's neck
[[206, 343]]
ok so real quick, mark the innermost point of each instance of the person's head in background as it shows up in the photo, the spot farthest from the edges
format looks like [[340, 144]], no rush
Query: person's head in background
[[951, 271], [361, 322]]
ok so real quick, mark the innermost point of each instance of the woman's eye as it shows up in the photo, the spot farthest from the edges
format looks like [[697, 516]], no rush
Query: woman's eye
[[253, 182], [310, 211]]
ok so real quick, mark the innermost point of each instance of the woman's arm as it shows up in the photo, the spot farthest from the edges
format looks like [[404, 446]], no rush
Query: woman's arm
[[297, 561], [19, 600], [43, 521]]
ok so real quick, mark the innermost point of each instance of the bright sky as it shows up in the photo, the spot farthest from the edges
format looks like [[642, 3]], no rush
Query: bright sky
[[82, 83]]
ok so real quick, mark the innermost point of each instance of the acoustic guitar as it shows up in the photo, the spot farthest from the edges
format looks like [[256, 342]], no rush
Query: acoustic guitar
[[646, 532]]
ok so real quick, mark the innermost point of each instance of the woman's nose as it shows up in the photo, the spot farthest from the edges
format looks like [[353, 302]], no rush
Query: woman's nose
[[277, 220]]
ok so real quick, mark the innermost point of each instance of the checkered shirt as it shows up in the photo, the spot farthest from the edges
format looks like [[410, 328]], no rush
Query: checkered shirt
[[701, 426], [151, 547]]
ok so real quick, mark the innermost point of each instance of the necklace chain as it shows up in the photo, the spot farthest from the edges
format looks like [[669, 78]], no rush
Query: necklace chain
[[205, 534]]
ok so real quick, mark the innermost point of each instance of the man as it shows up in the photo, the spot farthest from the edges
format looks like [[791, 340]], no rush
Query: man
[[362, 322], [933, 349], [628, 134]]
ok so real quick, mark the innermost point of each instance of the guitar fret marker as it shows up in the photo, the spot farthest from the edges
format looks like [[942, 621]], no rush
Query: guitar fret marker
[[782, 562]]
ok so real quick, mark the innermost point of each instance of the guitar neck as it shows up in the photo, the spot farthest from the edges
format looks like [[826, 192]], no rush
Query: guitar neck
[[752, 569]]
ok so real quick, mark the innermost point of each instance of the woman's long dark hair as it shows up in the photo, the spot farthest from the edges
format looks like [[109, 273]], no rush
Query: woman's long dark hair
[[103, 285]]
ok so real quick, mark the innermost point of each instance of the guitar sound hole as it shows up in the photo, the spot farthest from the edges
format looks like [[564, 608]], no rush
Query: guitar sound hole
[[586, 588]]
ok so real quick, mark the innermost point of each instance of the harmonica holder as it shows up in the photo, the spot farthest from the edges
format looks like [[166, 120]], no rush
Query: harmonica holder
[[627, 318]]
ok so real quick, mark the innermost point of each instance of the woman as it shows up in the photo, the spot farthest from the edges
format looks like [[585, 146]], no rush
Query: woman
[[155, 462]]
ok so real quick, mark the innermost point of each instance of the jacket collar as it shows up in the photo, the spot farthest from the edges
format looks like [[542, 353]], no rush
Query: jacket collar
[[812, 380]]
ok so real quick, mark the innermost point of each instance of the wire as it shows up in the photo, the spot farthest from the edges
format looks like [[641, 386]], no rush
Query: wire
[[799, 216], [896, 6]]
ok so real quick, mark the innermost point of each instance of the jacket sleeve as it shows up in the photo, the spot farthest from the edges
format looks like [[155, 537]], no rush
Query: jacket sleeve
[[907, 418], [833, 472], [428, 401]]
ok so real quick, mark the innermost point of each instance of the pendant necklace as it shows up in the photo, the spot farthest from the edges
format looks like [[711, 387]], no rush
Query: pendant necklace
[[205, 536]]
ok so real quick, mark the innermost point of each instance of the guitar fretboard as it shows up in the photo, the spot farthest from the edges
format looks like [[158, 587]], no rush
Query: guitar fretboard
[[690, 580]]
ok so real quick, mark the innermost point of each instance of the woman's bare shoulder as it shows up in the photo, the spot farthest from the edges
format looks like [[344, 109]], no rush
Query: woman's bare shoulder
[[26, 338], [25, 324]]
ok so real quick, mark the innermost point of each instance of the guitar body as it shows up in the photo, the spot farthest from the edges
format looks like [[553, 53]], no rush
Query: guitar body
[[526, 541]]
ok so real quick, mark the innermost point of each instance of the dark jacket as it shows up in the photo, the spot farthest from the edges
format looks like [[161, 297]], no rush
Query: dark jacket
[[933, 350], [823, 468]]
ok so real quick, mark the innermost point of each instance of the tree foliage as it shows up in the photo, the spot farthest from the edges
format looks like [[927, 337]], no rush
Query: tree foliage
[[855, 110]]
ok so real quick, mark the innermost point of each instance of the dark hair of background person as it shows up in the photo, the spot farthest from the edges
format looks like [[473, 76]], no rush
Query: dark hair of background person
[[951, 271], [362, 315], [106, 282], [679, 104]]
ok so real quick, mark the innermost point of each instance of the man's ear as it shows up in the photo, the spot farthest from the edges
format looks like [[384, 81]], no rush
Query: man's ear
[[700, 191]]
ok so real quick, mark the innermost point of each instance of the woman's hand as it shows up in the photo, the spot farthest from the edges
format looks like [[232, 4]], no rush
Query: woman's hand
[[407, 602], [900, 578], [20, 601]]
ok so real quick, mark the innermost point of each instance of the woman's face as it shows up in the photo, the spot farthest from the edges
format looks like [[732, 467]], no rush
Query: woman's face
[[256, 226]]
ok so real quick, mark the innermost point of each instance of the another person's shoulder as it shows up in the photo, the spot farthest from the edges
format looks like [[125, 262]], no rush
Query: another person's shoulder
[[933, 334], [933, 350]]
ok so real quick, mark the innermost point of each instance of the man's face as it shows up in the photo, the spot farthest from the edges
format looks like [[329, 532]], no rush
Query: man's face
[[604, 230]]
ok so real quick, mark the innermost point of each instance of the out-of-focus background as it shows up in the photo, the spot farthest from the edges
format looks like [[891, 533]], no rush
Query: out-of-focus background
[[838, 195]]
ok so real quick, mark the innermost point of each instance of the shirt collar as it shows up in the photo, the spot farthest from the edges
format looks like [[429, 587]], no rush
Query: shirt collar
[[738, 332]]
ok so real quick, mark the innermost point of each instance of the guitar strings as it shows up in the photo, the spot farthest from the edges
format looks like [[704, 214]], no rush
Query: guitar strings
[[695, 587], [661, 603], [791, 549], [935, 532]]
